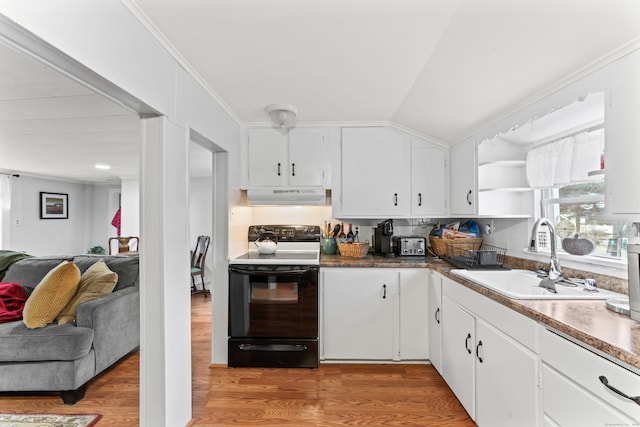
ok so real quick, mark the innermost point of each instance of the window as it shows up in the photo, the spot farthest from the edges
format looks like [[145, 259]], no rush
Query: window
[[578, 206]]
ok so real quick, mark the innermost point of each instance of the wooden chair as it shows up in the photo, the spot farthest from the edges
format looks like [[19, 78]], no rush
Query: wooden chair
[[198, 256], [126, 245]]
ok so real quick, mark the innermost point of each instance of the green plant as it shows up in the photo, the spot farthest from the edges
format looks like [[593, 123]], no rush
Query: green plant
[[97, 250]]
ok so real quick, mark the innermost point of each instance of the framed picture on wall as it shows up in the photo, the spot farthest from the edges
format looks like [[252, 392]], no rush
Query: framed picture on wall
[[54, 205]]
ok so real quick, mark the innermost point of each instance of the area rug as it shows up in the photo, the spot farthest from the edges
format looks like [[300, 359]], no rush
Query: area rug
[[48, 420]]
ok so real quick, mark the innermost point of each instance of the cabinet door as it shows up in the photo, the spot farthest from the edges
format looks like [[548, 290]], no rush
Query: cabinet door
[[414, 319], [428, 181], [463, 171], [435, 320], [458, 340], [506, 380], [359, 312], [375, 173], [622, 133], [306, 157], [267, 158]]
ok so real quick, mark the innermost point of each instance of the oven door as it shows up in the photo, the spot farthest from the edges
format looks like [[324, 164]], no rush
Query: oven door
[[273, 301]]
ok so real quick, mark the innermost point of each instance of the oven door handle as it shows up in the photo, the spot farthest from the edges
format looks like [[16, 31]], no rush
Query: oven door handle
[[253, 272], [272, 347]]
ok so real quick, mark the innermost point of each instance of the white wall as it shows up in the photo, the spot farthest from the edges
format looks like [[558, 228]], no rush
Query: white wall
[[130, 213], [102, 214], [200, 215], [29, 233]]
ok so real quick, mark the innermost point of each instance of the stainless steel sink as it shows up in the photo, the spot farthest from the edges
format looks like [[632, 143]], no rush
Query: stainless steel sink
[[523, 284]]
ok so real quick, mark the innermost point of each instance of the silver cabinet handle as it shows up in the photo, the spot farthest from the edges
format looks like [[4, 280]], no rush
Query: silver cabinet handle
[[605, 382]]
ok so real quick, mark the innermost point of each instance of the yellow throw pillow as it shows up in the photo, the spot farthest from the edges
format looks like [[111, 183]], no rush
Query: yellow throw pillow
[[50, 296], [97, 281]]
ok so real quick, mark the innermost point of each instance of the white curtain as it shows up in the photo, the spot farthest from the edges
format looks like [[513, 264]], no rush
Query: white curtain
[[5, 191], [565, 161]]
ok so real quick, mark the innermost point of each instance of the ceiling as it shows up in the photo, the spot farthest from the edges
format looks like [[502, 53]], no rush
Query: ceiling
[[50, 125], [442, 68]]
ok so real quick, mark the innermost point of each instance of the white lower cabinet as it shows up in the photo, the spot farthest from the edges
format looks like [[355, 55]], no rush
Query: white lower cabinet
[[506, 380], [435, 320], [458, 367], [494, 376], [574, 393], [373, 314], [414, 318]]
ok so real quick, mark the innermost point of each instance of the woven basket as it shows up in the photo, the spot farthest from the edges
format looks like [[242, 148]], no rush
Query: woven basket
[[439, 245], [356, 250]]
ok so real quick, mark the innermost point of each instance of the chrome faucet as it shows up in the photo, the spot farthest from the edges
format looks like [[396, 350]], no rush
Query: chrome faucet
[[554, 264]]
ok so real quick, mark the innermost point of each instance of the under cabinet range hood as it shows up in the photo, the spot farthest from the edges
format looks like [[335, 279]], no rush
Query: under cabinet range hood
[[289, 196]]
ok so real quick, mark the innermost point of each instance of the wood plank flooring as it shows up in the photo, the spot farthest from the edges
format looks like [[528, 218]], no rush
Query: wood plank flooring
[[333, 395]]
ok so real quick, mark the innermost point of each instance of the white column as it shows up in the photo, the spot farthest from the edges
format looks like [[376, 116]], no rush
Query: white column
[[165, 347]]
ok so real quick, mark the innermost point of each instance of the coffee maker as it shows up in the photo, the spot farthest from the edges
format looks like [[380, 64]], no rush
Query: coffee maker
[[382, 238]]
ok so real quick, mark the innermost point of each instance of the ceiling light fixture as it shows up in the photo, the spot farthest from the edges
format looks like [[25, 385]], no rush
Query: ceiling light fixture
[[102, 166], [283, 115]]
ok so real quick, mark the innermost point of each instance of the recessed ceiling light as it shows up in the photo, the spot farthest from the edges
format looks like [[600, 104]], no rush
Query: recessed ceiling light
[[102, 166]]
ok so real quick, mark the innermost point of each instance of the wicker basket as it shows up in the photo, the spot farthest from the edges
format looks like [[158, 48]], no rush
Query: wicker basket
[[356, 250], [439, 245]]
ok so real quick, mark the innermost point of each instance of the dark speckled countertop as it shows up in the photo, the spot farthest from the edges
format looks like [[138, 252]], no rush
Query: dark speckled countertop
[[590, 322]]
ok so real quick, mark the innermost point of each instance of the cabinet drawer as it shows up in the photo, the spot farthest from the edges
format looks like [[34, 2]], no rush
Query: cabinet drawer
[[567, 404], [584, 368]]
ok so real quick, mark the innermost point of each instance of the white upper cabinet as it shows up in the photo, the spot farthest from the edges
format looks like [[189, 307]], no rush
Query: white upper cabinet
[[387, 174], [295, 158], [428, 184], [375, 181], [306, 157], [463, 192], [622, 136]]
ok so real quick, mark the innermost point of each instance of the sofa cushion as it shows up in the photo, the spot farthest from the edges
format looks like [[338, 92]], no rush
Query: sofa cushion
[[29, 272], [53, 342], [97, 281], [51, 295], [126, 266]]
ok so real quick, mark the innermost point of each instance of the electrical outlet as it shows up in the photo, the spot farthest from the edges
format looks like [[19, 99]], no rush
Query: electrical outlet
[[17, 222], [488, 228]]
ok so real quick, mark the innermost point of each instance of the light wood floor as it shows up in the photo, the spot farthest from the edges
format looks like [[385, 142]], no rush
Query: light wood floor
[[333, 395]]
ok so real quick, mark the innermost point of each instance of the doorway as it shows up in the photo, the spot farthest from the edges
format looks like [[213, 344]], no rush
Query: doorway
[[201, 209]]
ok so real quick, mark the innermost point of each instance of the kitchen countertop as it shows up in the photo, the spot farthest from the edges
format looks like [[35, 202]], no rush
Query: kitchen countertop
[[590, 322], [371, 260]]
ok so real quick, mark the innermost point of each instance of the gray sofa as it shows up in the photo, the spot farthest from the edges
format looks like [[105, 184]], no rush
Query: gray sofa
[[65, 358]]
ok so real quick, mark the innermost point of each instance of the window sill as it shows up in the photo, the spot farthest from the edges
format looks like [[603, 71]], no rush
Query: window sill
[[594, 264]]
